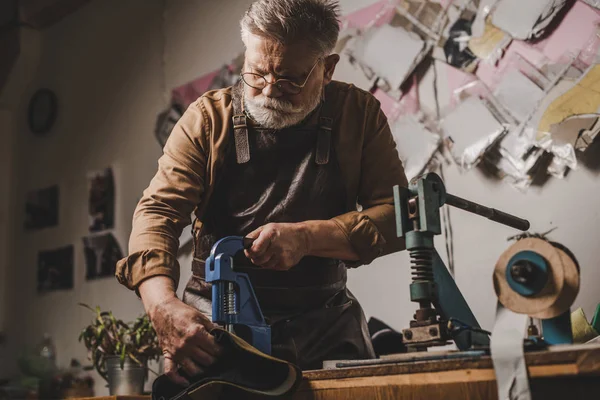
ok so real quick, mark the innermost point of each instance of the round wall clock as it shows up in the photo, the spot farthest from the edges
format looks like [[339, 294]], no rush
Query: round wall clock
[[42, 111]]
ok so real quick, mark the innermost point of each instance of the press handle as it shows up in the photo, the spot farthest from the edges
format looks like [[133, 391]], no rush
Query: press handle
[[247, 242]]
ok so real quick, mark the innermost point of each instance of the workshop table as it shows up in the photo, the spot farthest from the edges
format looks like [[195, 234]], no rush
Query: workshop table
[[566, 372]]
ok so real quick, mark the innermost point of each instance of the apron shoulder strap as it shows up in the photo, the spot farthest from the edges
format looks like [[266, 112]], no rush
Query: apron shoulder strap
[[325, 128], [240, 127], [324, 140]]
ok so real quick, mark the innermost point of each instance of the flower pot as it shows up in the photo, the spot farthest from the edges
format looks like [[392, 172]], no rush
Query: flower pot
[[128, 380]]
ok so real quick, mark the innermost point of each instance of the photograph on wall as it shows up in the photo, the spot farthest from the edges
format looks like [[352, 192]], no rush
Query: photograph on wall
[[102, 252], [41, 208], [101, 203], [55, 269]]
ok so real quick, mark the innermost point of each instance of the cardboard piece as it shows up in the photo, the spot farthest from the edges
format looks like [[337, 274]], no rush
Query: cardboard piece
[[578, 131], [593, 3], [525, 19], [582, 98], [574, 38], [348, 70], [390, 106], [519, 157], [393, 64], [376, 14], [415, 144], [484, 9], [472, 128], [454, 84], [518, 94], [576, 33], [490, 45]]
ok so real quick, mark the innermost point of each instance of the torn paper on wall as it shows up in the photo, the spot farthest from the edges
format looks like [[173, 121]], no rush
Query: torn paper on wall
[[518, 94], [415, 144], [582, 98], [483, 11], [472, 129], [392, 53], [389, 105], [408, 104], [593, 3], [376, 14], [576, 34], [348, 70], [574, 39], [223, 77], [489, 46], [456, 47], [519, 153], [578, 131], [425, 18], [525, 19], [451, 84]]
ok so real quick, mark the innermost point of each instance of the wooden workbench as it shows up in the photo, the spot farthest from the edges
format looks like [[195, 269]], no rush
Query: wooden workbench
[[565, 372]]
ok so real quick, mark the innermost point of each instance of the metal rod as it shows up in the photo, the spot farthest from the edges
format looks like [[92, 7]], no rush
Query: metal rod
[[489, 213]]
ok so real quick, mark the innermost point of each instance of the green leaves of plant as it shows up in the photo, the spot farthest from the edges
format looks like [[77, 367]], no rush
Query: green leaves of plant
[[109, 336]]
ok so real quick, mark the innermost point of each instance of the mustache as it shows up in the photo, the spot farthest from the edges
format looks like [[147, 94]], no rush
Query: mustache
[[275, 104]]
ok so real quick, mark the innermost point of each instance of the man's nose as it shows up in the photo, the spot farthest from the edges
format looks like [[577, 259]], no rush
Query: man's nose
[[271, 90]]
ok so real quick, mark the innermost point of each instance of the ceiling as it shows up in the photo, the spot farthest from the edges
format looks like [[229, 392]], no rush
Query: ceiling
[[36, 14]]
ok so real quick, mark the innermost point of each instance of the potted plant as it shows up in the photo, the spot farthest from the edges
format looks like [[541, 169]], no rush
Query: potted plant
[[120, 351]]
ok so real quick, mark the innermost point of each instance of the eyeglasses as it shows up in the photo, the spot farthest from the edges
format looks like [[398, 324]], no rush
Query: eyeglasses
[[259, 82]]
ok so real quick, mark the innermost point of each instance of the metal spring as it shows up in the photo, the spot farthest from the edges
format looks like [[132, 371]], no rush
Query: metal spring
[[229, 301], [421, 265]]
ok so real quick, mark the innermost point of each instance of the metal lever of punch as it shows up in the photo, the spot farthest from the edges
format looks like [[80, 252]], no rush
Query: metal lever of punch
[[440, 301], [234, 304]]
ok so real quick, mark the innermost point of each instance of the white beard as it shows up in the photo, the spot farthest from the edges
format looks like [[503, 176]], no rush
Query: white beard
[[273, 113]]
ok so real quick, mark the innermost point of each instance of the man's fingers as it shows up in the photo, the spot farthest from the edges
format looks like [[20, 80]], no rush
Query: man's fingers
[[205, 341], [171, 372], [255, 233], [261, 244], [262, 260], [190, 367], [201, 357]]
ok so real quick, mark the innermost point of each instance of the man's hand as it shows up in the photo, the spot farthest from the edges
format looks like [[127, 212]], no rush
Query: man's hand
[[278, 245], [183, 331]]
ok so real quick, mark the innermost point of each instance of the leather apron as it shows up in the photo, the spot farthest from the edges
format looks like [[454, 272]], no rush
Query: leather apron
[[289, 175]]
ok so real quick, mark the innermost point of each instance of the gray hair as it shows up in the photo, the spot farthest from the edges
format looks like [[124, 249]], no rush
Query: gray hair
[[287, 21]]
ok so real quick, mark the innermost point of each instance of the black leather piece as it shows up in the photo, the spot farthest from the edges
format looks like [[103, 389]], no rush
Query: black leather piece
[[241, 368], [385, 339]]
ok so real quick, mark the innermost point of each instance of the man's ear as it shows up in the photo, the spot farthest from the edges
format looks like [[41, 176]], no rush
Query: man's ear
[[330, 63]]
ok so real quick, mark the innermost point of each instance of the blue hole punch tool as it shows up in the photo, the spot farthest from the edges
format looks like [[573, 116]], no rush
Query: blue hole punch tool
[[234, 304]]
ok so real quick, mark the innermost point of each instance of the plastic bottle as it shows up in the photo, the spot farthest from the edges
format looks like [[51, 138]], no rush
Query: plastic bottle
[[47, 349]]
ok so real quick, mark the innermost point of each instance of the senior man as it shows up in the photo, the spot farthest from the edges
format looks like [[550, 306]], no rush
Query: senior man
[[302, 164]]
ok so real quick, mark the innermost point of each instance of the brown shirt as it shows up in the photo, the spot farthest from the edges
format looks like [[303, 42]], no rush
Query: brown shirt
[[194, 155]]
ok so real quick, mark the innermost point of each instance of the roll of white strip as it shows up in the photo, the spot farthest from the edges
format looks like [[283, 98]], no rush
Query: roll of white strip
[[508, 356]]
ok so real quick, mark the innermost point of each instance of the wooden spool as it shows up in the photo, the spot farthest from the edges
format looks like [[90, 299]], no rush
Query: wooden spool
[[560, 290]]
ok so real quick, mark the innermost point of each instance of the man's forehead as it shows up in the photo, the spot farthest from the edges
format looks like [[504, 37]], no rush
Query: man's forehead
[[267, 55]]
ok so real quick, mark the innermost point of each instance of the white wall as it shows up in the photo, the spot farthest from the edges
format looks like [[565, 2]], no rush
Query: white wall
[[107, 65]]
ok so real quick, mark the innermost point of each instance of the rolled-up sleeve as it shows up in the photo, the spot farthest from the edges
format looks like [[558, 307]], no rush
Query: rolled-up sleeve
[[166, 205], [372, 230]]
